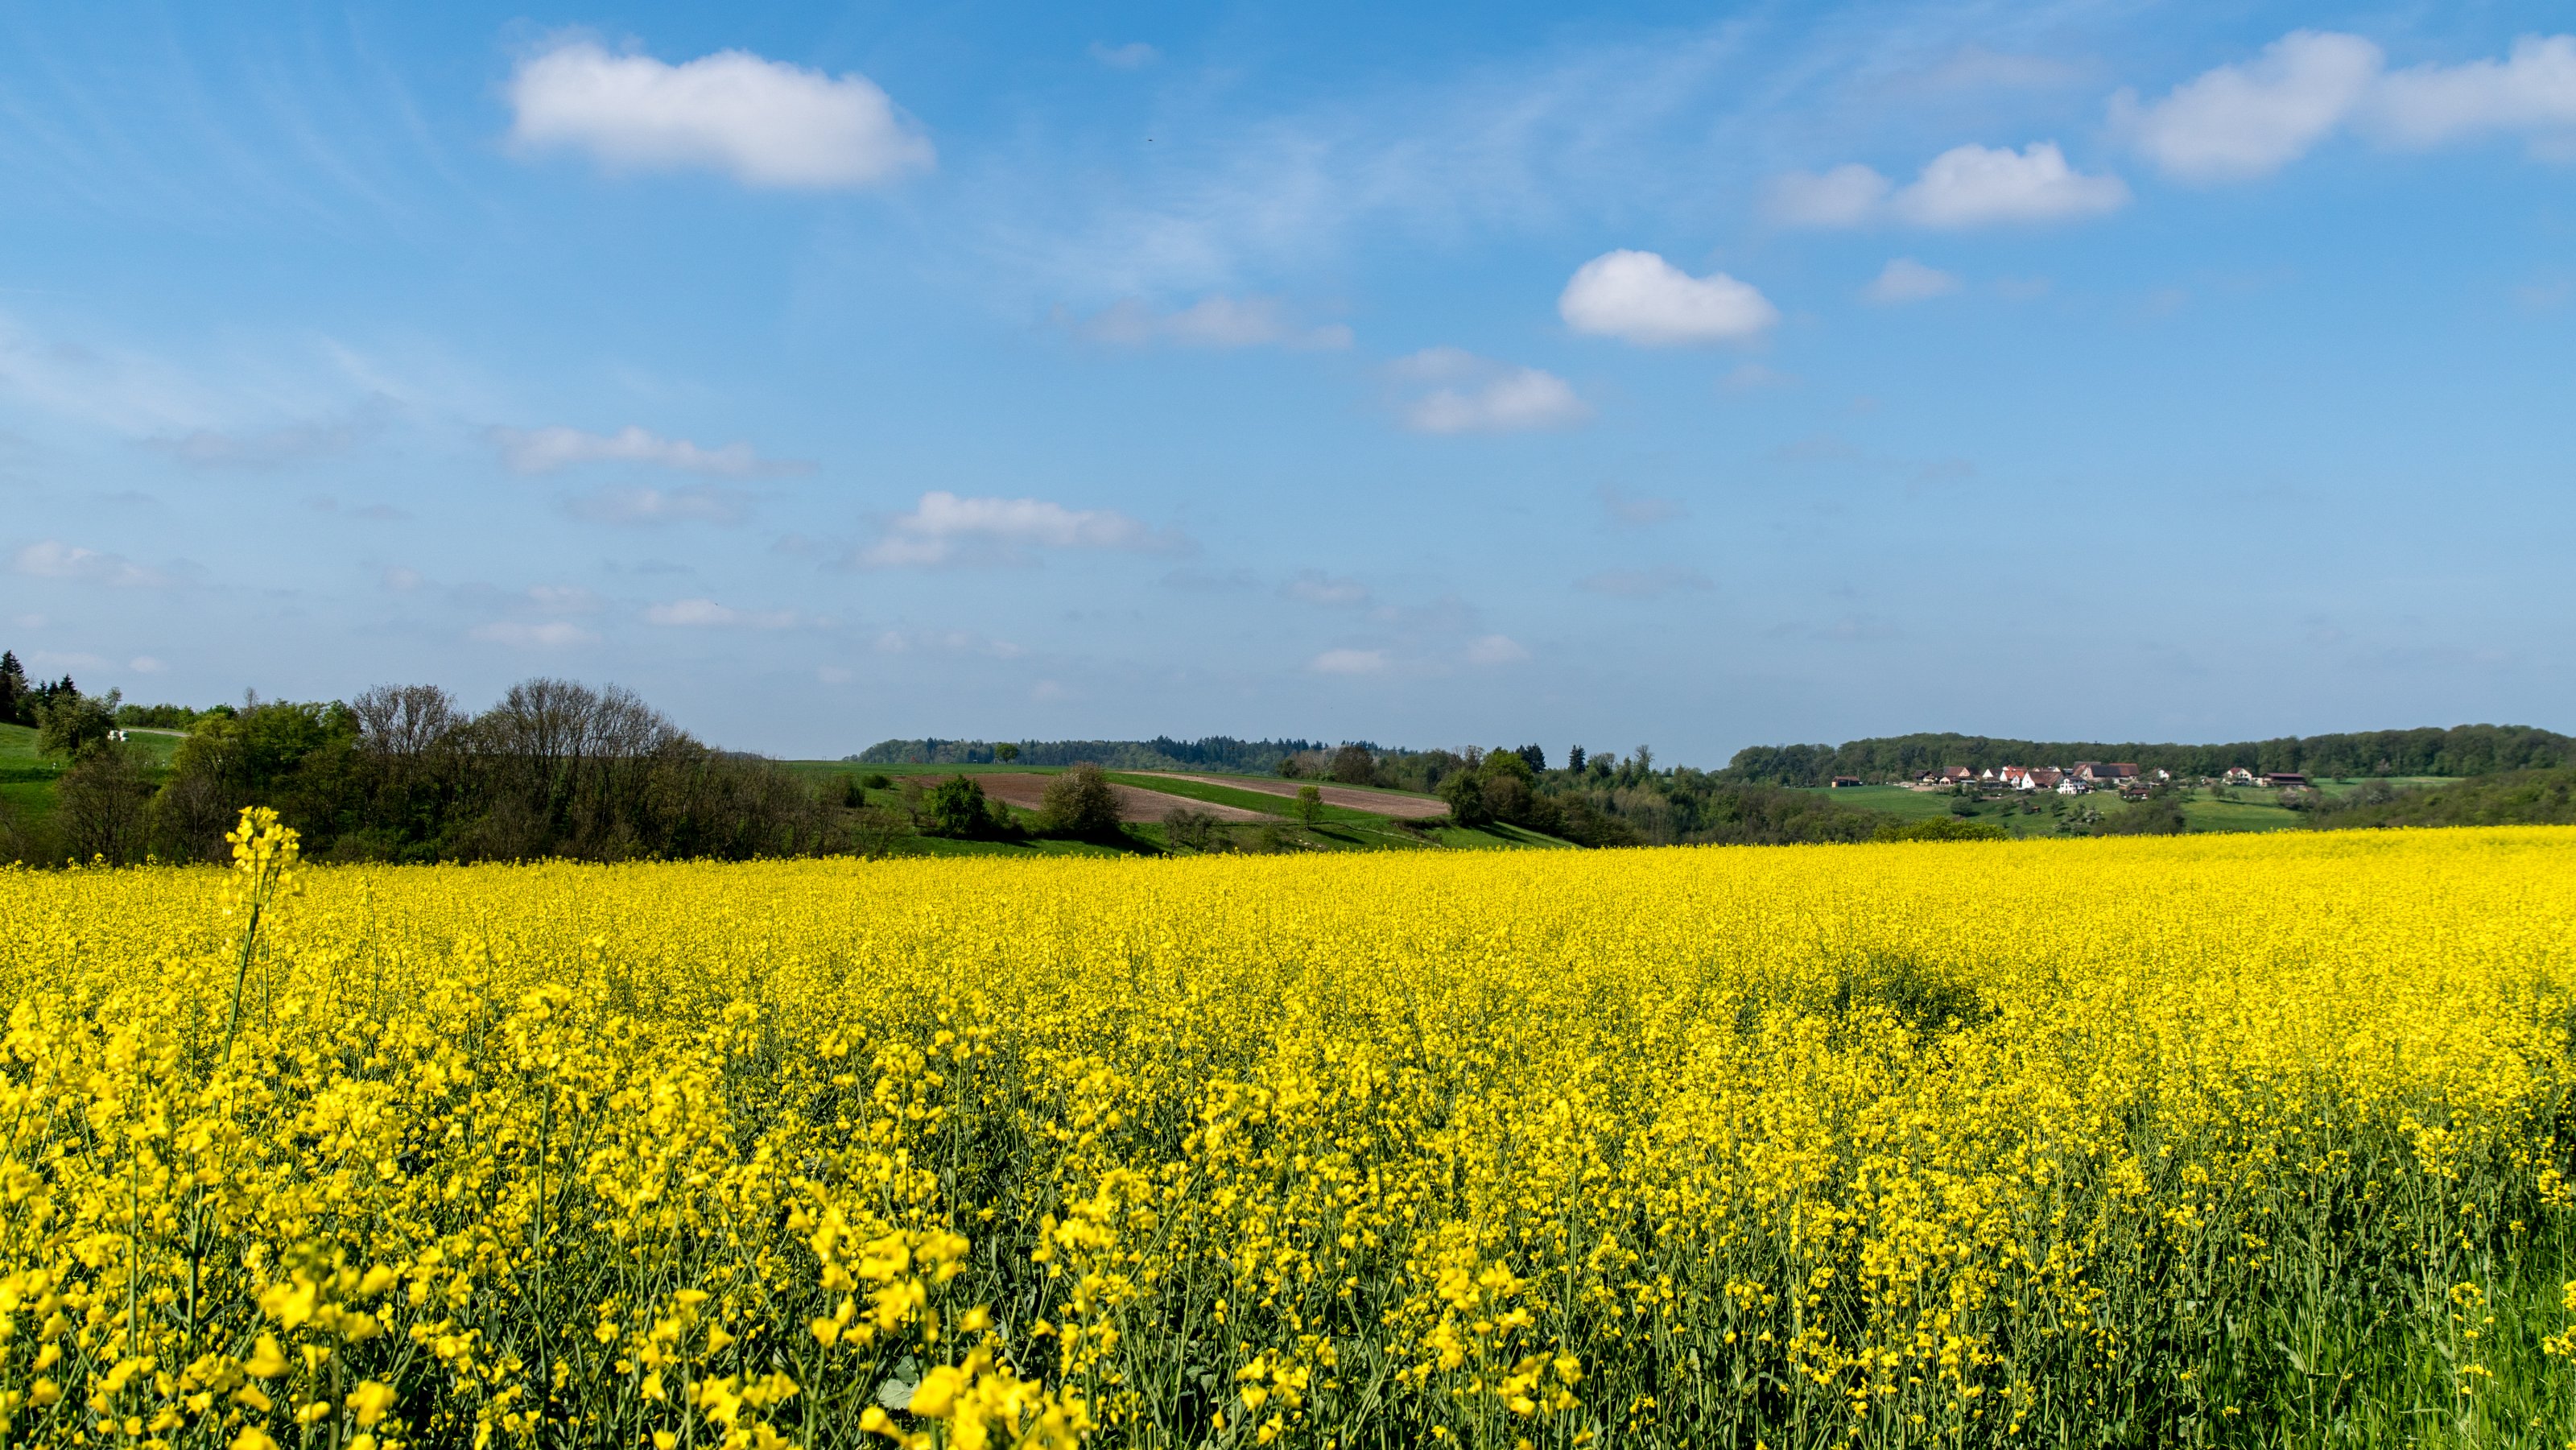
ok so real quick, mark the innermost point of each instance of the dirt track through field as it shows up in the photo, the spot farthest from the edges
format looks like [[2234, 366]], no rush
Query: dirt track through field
[[1402, 807], [1027, 792]]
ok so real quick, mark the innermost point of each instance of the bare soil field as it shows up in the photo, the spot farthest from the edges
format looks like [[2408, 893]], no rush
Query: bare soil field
[[1026, 791], [1384, 803]]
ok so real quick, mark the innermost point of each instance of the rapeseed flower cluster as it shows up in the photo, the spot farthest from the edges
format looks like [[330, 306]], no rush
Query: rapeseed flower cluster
[[2125, 1142]]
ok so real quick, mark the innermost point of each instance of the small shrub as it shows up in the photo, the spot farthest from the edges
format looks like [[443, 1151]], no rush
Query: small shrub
[[958, 808], [1310, 806], [1199, 830], [1081, 803]]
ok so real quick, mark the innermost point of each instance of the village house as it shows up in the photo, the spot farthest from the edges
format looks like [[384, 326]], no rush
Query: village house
[[2239, 775], [2286, 779], [1842, 782]]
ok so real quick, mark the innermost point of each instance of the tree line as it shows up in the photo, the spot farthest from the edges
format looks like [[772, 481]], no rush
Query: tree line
[[404, 773], [2461, 750], [1220, 753]]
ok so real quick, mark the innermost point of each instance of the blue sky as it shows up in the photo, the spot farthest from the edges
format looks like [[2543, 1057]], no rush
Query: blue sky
[[1689, 376]]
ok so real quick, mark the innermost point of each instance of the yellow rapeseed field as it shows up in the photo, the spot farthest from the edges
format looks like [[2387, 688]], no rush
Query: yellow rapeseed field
[[2145, 1142]]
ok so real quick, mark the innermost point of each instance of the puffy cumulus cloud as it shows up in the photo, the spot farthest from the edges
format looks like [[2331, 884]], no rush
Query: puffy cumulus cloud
[[1641, 298], [1495, 649], [1469, 394], [1314, 586], [519, 634], [2241, 121], [697, 503], [1215, 321], [2531, 91], [763, 122], [550, 450], [1350, 662], [2248, 120], [1965, 186], [708, 614], [54, 559], [947, 529], [1907, 280], [1969, 186]]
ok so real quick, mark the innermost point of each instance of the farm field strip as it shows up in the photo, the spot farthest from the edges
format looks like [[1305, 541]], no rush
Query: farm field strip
[[1027, 791], [1396, 804]]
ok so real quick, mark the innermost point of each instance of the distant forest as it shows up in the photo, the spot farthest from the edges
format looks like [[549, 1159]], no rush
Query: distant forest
[[2462, 750], [1216, 752]]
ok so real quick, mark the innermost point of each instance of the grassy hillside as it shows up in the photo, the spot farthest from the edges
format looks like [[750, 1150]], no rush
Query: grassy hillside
[[1338, 828]]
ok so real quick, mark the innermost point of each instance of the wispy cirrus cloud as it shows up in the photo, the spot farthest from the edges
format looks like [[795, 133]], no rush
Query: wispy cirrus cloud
[[553, 449], [1907, 280], [708, 614], [552, 634], [1215, 321], [1350, 662], [702, 503], [54, 559], [947, 529]]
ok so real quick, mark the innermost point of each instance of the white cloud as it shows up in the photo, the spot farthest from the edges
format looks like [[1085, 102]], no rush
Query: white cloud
[[946, 529], [553, 634], [764, 122], [835, 674], [1847, 196], [697, 503], [1641, 298], [707, 614], [2237, 122], [401, 580], [548, 450], [1349, 662], [1215, 321], [2532, 91], [1134, 55], [53, 559], [1314, 586], [1652, 583], [1965, 186], [1483, 396], [1907, 280], [1495, 649], [2249, 120], [145, 665], [1968, 186]]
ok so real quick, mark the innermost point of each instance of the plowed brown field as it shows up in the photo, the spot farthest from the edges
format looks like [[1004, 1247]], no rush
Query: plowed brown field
[[1377, 802]]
